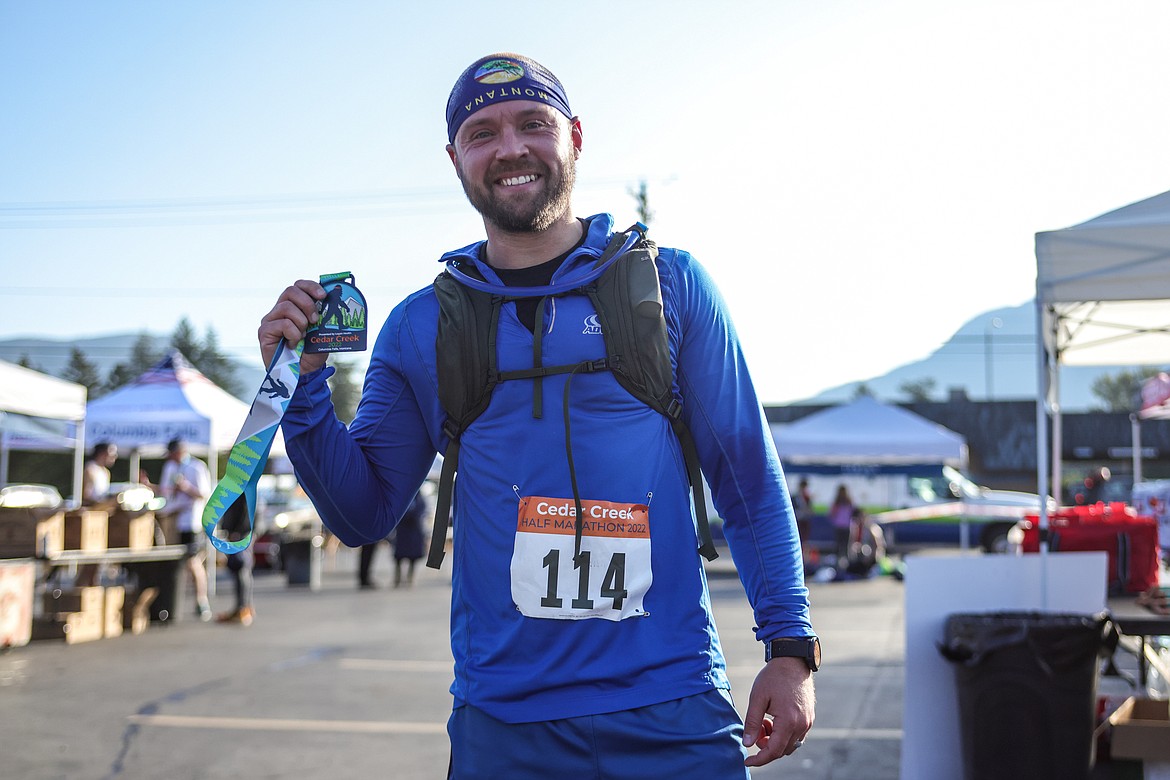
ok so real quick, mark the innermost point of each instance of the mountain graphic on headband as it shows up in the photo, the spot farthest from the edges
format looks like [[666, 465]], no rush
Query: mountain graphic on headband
[[499, 72]]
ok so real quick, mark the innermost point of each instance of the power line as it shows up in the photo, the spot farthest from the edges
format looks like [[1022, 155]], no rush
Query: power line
[[353, 204], [139, 292]]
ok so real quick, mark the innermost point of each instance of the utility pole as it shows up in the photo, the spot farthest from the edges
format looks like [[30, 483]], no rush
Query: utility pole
[[994, 323]]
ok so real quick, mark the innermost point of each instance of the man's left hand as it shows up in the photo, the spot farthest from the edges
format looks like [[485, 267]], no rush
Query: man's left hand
[[783, 690]]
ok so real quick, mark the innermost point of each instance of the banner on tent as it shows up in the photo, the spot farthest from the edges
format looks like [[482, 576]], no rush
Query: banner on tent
[[132, 434]]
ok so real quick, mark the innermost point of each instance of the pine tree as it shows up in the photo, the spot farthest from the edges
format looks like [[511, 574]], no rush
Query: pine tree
[[143, 357], [215, 365], [83, 371], [121, 374], [187, 342]]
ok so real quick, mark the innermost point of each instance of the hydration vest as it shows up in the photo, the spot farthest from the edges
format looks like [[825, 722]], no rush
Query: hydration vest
[[624, 288]]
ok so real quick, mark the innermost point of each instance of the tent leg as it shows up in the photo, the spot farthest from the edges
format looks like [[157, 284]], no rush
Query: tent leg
[[78, 463], [213, 467], [1057, 437], [3, 462], [1043, 385], [1135, 425]]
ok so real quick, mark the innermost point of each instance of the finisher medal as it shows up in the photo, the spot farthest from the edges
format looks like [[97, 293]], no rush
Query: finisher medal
[[341, 327], [341, 323]]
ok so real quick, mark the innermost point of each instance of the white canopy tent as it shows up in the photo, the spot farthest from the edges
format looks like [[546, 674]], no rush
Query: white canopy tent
[[28, 396], [171, 400], [868, 431], [1102, 292]]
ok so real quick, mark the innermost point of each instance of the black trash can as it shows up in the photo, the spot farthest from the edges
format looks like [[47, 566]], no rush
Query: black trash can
[[167, 576], [1027, 689], [297, 557]]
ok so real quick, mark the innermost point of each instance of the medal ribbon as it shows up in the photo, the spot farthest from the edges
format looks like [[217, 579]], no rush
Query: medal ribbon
[[250, 452]]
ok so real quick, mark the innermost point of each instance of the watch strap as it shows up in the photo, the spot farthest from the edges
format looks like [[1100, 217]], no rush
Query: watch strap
[[805, 648]]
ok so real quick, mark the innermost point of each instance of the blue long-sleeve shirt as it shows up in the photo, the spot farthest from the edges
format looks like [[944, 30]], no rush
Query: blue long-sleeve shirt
[[532, 637]]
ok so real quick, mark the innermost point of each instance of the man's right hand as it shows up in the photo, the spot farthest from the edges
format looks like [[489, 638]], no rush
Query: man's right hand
[[295, 311]]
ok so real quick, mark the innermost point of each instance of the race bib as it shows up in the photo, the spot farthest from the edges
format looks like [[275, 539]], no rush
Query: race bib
[[613, 574]]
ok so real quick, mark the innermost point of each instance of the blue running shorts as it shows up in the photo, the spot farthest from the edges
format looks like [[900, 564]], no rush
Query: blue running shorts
[[695, 738]]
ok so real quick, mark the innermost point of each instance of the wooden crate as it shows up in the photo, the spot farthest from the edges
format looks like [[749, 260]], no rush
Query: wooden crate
[[136, 610], [29, 533], [133, 530], [60, 601], [17, 584], [115, 601], [73, 627], [85, 529]]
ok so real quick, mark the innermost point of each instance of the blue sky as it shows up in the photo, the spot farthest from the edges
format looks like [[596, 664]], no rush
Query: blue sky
[[860, 177]]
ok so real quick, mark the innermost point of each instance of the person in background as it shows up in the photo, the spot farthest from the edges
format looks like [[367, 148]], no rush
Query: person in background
[[95, 477], [366, 564], [409, 540], [841, 517], [186, 484], [803, 507], [234, 523]]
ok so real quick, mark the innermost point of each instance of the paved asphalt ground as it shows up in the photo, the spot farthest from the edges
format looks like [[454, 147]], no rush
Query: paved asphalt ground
[[340, 683]]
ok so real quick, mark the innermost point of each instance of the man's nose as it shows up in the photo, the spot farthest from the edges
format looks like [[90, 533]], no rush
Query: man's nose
[[512, 144]]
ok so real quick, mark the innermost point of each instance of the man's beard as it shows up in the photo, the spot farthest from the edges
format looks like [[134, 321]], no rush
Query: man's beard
[[534, 216]]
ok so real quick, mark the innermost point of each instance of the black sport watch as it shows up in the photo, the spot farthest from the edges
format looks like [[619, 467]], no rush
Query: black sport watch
[[807, 648]]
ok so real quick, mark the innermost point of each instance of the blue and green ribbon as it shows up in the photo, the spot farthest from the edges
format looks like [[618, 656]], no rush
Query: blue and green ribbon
[[249, 454]]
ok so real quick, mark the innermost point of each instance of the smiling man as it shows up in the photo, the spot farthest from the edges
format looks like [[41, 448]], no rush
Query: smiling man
[[581, 626]]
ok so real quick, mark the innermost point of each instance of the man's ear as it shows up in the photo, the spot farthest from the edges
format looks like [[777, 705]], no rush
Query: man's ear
[[451, 154], [575, 133]]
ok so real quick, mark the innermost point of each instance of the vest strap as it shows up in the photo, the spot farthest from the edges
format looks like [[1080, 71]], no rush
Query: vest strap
[[585, 367], [538, 359], [695, 474], [443, 504]]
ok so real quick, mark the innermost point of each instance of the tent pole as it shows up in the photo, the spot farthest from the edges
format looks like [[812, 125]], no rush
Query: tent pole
[[78, 462], [1042, 386], [213, 467], [3, 454], [1135, 425], [1057, 431]]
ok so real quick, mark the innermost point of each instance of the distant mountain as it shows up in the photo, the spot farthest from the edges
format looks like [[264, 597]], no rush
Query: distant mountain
[[992, 356], [52, 355]]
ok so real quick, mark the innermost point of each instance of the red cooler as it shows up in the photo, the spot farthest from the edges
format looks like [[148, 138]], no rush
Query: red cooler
[[1130, 540]]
